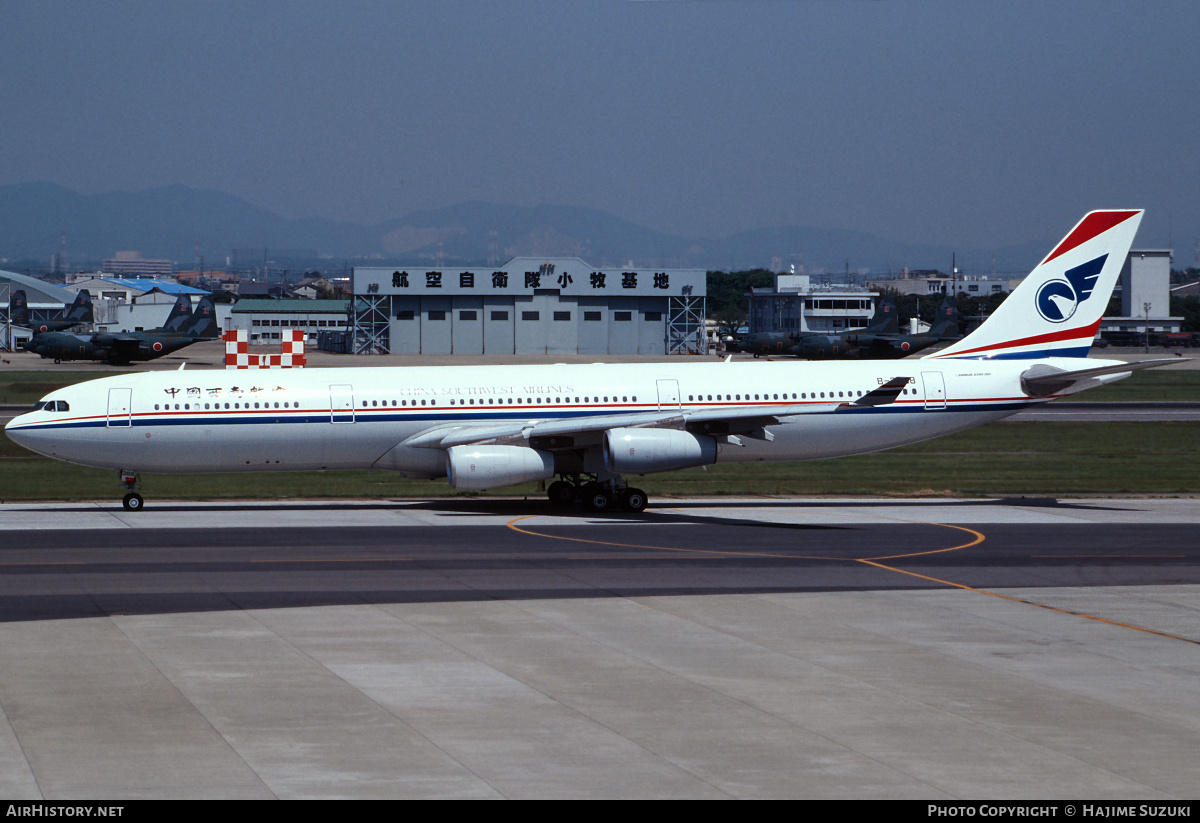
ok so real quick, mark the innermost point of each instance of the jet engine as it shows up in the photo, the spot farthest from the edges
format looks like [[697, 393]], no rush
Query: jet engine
[[489, 467], [642, 451]]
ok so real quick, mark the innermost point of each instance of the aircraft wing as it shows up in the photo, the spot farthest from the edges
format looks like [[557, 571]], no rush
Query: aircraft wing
[[555, 433], [1042, 380]]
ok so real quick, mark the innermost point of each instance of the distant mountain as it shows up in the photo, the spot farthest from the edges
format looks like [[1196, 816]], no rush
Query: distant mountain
[[169, 222], [165, 222]]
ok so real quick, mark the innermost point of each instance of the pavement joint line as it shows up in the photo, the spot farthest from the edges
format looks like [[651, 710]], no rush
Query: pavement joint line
[[1028, 602], [115, 623]]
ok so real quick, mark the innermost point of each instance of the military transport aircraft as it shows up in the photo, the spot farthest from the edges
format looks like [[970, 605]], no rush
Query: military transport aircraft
[[79, 312], [593, 425], [880, 340], [121, 348], [782, 342]]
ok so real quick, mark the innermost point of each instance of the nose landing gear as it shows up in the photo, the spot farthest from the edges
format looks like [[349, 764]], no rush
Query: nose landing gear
[[132, 501]]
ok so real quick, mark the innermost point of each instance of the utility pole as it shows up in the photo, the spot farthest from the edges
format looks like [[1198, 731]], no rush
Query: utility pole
[[1146, 311]]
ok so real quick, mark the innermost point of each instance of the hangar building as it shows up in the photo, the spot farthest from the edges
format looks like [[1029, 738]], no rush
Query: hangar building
[[529, 306]]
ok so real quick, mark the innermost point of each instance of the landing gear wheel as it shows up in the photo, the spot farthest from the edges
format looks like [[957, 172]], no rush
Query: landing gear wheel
[[133, 502], [634, 500], [596, 498], [561, 493]]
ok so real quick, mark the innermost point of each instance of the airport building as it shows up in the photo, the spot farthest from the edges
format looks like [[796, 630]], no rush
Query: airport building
[[796, 304], [529, 306], [268, 320], [45, 301], [970, 285], [1145, 289]]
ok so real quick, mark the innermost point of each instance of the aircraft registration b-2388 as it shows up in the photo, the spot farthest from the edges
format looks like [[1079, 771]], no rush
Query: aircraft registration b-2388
[[592, 425]]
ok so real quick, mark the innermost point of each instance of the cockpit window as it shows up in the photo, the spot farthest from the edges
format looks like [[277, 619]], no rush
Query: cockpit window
[[52, 405]]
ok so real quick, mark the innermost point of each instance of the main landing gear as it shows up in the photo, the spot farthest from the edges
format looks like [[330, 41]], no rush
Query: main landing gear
[[132, 501], [597, 496]]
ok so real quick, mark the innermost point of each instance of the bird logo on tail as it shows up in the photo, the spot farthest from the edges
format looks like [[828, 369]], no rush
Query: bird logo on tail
[[1058, 299]]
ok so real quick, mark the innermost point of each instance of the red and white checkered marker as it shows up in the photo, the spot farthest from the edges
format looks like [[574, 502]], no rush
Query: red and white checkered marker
[[237, 352]]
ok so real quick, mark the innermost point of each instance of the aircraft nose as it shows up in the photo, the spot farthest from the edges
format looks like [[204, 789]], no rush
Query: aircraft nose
[[18, 431], [12, 429]]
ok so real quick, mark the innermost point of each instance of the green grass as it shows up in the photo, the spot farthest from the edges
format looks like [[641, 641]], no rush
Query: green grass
[[19, 388], [1182, 385], [1007, 458]]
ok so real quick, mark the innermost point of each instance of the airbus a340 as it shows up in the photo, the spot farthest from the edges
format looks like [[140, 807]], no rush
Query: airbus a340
[[487, 427]]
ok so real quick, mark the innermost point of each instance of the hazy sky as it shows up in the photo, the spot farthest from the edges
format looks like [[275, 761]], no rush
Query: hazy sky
[[980, 124]]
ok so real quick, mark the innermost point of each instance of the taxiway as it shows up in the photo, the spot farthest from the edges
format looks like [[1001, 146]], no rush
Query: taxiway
[[1028, 648]]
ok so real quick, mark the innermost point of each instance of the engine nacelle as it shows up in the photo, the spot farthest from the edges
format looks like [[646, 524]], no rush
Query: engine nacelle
[[643, 451], [489, 467]]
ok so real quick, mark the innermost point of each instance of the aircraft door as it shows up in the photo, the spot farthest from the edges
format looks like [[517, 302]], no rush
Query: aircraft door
[[935, 389], [668, 394], [119, 402], [341, 404]]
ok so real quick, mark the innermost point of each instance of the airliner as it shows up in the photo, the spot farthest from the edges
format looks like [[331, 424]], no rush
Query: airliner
[[486, 427]]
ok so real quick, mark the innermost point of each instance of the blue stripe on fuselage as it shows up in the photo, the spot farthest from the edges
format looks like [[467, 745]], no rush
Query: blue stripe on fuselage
[[437, 417]]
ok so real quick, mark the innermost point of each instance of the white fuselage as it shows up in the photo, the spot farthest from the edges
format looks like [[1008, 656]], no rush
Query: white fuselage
[[358, 418]]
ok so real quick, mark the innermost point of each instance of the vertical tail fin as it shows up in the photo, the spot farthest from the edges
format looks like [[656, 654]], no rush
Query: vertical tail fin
[[177, 318], [18, 308], [81, 310], [946, 325], [1056, 310], [203, 322], [884, 321]]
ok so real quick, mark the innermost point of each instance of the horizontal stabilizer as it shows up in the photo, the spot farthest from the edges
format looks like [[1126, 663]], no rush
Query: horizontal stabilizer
[[1043, 380]]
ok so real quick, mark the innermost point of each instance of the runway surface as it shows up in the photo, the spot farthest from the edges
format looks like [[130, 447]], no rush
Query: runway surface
[[1032, 648]]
